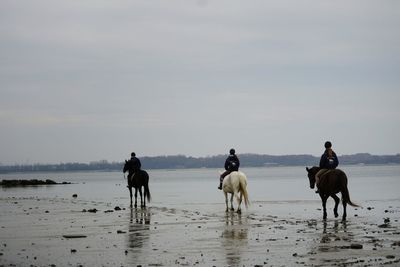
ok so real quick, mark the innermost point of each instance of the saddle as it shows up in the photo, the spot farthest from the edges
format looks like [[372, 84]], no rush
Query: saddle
[[322, 177]]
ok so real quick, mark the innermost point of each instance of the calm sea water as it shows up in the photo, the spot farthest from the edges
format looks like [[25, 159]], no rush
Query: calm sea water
[[199, 186]]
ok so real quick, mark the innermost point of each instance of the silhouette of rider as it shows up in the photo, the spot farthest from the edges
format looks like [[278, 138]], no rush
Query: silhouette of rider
[[232, 164], [132, 166], [329, 161]]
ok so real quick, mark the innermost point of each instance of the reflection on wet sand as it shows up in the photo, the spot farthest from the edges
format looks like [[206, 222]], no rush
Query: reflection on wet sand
[[337, 232], [139, 226], [333, 239], [234, 237]]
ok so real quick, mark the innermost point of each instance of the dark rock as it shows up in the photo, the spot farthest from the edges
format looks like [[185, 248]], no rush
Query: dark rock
[[75, 195], [33, 182], [92, 210], [117, 208], [121, 232], [74, 236], [73, 250], [390, 257], [356, 246]]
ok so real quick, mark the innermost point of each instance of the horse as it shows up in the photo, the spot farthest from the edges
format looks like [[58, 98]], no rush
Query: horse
[[331, 183], [235, 183], [137, 180]]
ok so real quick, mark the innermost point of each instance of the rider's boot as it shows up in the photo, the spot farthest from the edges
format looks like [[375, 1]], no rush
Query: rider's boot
[[220, 186]]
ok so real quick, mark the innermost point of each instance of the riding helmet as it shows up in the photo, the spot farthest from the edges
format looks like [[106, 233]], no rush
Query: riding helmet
[[328, 144], [232, 151]]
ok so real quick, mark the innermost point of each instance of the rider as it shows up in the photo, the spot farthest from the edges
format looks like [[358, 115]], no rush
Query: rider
[[329, 161], [133, 165], [232, 164]]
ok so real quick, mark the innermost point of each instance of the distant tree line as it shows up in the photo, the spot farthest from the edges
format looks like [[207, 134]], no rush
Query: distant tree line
[[182, 162]]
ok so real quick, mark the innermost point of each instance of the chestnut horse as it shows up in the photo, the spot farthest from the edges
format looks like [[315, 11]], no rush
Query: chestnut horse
[[331, 183]]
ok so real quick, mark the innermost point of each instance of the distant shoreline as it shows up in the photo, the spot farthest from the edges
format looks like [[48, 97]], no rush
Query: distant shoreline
[[187, 162]]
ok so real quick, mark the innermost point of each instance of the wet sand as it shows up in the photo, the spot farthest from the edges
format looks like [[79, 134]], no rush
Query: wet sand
[[62, 232]]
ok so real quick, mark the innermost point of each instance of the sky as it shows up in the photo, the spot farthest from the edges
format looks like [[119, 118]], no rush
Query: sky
[[82, 81]]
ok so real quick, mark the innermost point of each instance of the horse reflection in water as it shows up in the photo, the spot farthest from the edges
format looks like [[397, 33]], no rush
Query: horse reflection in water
[[234, 237], [333, 238], [139, 226]]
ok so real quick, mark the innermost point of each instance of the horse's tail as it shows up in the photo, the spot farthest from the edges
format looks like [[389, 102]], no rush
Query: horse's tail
[[146, 187], [147, 191], [243, 190], [345, 192]]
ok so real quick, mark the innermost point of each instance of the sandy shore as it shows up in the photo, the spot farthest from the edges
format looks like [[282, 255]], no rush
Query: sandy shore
[[58, 232]]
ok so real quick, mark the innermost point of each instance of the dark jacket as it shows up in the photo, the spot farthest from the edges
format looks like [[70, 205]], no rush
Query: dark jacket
[[232, 163], [133, 165], [327, 162]]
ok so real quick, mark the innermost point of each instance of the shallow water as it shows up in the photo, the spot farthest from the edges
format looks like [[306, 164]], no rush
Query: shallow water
[[198, 186]]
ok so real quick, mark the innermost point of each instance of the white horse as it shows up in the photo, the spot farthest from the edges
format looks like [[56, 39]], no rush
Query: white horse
[[234, 183]]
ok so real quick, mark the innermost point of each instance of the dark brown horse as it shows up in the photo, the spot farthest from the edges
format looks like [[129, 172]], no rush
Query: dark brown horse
[[331, 183], [138, 180]]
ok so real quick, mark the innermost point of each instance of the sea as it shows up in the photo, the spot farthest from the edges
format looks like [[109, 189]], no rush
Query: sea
[[366, 183]]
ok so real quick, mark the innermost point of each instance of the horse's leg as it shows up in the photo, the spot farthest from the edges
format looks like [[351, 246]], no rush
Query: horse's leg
[[239, 210], [136, 197], [232, 195], [141, 197], [144, 196], [337, 201], [324, 198], [130, 193], [344, 210], [226, 200]]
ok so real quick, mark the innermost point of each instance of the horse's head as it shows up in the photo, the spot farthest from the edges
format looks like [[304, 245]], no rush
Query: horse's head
[[125, 166], [311, 175]]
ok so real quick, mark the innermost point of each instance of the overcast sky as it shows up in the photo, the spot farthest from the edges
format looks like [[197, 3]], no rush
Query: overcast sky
[[82, 81]]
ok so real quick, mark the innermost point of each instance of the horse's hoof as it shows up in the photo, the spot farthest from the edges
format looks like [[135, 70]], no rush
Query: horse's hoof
[[232, 209], [336, 215], [239, 211]]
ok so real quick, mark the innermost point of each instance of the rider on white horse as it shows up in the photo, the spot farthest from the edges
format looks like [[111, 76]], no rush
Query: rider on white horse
[[232, 164]]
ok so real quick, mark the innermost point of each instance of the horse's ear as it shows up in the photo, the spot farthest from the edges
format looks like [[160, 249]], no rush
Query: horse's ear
[[126, 161], [308, 170]]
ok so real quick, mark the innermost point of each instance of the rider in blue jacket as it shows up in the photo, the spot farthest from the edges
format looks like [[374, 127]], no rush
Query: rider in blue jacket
[[232, 164], [328, 161]]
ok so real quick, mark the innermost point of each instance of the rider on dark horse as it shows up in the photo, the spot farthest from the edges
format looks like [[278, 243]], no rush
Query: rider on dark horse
[[329, 161], [232, 164], [133, 166]]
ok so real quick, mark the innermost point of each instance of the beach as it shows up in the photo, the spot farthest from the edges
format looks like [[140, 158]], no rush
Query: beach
[[66, 230], [59, 232]]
